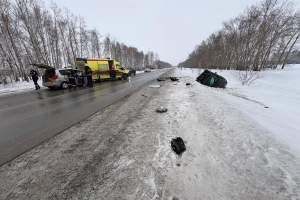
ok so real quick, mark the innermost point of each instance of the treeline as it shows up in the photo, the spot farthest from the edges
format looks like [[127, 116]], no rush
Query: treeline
[[32, 33], [266, 35], [162, 65]]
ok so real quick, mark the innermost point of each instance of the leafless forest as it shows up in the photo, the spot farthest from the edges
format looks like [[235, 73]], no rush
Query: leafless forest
[[31, 32], [265, 35]]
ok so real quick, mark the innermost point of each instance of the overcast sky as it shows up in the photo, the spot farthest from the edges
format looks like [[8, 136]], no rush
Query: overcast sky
[[170, 28]]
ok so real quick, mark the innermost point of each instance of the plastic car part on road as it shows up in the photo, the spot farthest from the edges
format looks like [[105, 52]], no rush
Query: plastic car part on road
[[161, 109], [161, 79], [178, 145], [174, 78]]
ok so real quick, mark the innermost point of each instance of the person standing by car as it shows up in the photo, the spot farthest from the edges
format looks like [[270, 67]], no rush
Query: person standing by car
[[88, 73], [35, 78], [113, 72], [71, 76]]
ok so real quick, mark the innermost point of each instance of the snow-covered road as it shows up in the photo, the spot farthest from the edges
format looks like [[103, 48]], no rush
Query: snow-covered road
[[124, 152]]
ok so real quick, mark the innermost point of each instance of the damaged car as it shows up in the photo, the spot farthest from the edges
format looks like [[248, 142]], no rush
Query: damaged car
[[59, 78], [211, 79]]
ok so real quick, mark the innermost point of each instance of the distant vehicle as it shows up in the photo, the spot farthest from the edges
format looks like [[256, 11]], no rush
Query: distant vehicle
[[101, 68], [147, 70], [58, 78], [132, 71]]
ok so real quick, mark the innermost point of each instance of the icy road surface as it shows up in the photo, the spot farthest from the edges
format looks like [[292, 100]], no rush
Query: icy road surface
[[124, 152]]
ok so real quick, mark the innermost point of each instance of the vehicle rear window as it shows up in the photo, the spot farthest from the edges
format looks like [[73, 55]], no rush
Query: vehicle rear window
[[62, 72], [49, 72]]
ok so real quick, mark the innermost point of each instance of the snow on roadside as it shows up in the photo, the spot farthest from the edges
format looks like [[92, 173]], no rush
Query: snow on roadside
[[229, 155], [18, 87], [272, 101]]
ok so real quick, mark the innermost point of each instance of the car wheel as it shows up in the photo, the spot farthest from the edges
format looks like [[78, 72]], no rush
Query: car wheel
[[64, 85], [125, 76]]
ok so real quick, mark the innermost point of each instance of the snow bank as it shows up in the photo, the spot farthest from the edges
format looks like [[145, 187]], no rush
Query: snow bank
[[273, 101]]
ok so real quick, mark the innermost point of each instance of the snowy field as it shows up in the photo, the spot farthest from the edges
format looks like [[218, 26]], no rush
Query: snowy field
[[242, 143]]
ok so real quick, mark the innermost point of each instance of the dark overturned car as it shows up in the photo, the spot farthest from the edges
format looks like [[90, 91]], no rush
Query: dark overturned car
[[211, 79]]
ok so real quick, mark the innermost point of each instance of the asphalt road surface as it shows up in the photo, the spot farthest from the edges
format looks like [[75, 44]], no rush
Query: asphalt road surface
[[30, 118]]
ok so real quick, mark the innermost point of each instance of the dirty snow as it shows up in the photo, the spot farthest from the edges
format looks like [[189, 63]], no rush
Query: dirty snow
[[241, 144]]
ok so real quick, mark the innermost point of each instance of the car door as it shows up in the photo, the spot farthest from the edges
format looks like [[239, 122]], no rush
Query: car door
[[49, 69], [103, 67]]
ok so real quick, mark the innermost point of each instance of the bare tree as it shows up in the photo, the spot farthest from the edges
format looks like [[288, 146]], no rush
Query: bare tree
[[96, 46], [10, 36], [30, 33], [107, 46], [248, 76], [284, 61], [253, 40]]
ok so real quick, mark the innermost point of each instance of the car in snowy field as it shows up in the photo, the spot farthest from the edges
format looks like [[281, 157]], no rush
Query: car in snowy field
[[147, 70], [58, 78]]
